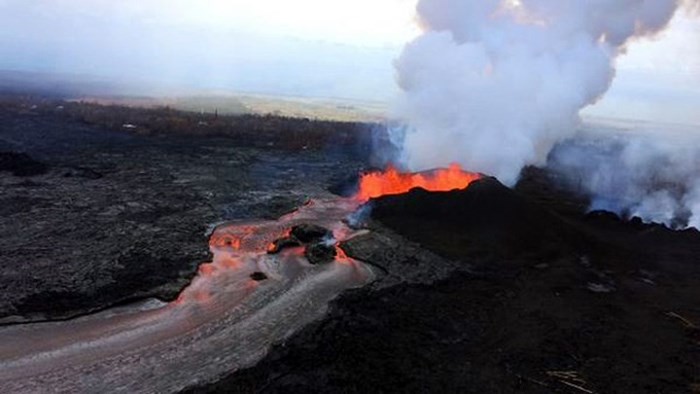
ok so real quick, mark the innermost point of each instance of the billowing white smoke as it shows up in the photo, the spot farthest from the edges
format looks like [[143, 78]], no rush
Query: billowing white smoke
[[650, 173], [494, 84]]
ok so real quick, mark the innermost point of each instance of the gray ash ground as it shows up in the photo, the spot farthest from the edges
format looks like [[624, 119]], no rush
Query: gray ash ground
[[485, 290]]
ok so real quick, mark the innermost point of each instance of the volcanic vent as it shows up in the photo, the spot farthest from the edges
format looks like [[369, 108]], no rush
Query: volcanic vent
[[461, 212], [375, 184]]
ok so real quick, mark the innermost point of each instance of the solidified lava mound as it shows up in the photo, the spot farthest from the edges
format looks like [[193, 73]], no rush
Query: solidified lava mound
[[312, 238], [486, 217]]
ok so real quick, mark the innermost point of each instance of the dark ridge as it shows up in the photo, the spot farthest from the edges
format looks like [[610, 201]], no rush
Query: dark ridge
[[21, 164], [486, 216], [142, 279], [251, 130], [549, 189]]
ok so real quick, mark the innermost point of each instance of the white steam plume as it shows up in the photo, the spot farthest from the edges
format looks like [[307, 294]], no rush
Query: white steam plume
[[494, 84], [651, 172]]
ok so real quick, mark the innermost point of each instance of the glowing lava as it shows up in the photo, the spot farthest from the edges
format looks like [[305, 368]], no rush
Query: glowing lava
[[391, 181], [340, 254], [223, 307]]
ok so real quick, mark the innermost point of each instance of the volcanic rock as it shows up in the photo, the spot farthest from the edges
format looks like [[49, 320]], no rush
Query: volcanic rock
[[603, 216], [21, 164], [320, 253], [287, 242], [82, 172], [490, 290], [637, 222], [258, 276], [486, 217], [492, 323], [145, 203], [314, 237], [309, 233], [345, 187]]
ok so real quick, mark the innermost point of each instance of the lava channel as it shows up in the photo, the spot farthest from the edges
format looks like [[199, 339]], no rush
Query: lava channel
[[236, 307]]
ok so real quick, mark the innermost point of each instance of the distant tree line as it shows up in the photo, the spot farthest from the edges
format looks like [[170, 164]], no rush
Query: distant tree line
[[248, 130]]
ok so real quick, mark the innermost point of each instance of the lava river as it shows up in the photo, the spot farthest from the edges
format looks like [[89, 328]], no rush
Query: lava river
[[222, 322]]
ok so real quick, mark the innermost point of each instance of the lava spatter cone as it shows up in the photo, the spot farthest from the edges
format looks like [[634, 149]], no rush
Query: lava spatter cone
[[478, 217], [316, 241], [309, 233], [320, 253], [283, 243]]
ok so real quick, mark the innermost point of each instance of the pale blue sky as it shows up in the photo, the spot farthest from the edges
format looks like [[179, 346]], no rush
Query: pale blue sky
[[303, 47]]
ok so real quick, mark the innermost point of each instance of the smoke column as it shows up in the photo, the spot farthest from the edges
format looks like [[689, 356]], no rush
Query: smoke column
[[494, 84]]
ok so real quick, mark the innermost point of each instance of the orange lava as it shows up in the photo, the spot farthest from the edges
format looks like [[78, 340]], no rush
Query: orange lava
[[285, 234], [391, 181], [202, 296], [227, 240], [340, 254], [206, 269], [231, 262], [232, 240]]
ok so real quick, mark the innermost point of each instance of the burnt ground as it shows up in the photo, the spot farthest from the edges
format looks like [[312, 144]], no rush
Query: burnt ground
[[487, 290], [535, 296], [92, 216]]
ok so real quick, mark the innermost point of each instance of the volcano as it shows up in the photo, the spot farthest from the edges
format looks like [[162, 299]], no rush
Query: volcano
[[443, 280], [485, 216], [492, 289]]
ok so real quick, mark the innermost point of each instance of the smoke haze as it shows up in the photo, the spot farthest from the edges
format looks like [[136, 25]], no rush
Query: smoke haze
[[160, 46], [633, 169], [493, 85], [313, 48]]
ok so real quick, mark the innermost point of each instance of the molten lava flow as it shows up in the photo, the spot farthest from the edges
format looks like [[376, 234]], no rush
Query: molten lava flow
[[233, 242], [244, 300], [206, 269], [391, 181], [340, 254]]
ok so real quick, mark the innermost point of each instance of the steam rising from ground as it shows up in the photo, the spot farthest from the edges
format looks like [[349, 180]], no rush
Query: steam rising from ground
[[636, 170], [494, 84]]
